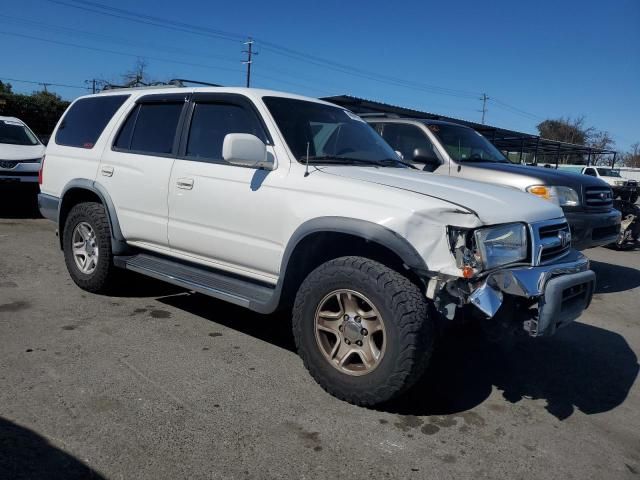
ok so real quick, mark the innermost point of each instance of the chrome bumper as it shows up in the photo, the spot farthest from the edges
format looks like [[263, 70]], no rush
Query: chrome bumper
[[563, 291]]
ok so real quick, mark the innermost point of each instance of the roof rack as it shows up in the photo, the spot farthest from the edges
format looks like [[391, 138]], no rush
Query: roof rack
[[174, 82], [180, 82]]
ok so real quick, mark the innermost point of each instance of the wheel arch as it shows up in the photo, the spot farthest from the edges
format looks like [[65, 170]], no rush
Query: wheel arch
[[82, 190], [322, 239]]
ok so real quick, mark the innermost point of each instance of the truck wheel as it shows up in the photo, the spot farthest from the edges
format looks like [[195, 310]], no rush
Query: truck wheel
[[87, 247], [362, 330]]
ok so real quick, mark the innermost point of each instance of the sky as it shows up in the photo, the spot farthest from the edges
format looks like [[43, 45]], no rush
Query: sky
[[534, 59]]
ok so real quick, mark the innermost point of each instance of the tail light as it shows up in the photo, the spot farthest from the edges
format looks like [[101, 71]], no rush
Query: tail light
[[40, 171]]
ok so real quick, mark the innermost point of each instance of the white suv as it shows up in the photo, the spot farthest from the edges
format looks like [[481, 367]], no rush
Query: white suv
[[20, 152], [270, 200]]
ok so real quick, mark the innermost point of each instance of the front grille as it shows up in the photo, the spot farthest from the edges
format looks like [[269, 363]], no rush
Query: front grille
[[632, 183], [554, 241], [599, 197], [13, 163]]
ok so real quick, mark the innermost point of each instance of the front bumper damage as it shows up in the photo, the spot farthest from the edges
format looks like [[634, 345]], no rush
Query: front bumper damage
[[554, 294]]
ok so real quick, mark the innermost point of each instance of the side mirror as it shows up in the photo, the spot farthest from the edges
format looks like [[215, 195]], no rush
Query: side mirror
[[245, 150], [426, 156]]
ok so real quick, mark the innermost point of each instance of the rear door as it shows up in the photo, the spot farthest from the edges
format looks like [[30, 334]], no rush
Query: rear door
[[136, 168], [220, 214]]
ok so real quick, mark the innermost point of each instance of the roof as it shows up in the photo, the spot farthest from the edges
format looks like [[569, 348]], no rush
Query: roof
[[13, 119], [164, 89], [502, 138]]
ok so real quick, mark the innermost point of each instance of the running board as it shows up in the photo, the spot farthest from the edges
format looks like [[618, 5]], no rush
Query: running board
[[201, 279]]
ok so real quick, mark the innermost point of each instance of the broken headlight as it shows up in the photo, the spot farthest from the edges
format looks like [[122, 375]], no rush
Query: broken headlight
[[501, 245]]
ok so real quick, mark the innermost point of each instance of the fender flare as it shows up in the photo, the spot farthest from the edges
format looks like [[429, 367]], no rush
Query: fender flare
[[366, 230], [118, 243]]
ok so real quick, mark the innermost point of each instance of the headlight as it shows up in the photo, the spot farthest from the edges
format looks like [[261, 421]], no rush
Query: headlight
[[501, 245], [619, 183], [562, 196]]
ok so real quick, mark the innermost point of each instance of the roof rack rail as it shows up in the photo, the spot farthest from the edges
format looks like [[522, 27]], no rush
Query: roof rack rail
[[180, 82]]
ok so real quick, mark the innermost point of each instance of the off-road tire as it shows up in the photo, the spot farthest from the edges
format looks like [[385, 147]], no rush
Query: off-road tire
[[104, 277], [409, 329]]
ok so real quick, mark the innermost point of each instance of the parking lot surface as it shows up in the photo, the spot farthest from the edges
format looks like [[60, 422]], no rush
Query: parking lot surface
[[161, 383]]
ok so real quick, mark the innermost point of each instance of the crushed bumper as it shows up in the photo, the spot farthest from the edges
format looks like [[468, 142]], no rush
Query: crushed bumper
[[562, 291]]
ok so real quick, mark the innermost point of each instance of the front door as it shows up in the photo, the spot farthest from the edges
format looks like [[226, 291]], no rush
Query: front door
[[223, 215]]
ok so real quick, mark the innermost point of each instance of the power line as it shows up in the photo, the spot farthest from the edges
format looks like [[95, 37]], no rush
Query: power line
[[103, 9], [33, 82], [513, 109], [114, 52]]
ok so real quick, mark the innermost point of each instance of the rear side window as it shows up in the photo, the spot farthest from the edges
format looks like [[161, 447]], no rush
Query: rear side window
[[83, 124], [211, 122], [150, 128]]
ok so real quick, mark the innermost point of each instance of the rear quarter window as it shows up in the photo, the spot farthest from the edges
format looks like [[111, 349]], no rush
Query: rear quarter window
[[86, 119]]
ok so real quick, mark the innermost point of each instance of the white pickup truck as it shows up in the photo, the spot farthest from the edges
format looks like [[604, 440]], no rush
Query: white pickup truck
[[272, 201], [622, 187]]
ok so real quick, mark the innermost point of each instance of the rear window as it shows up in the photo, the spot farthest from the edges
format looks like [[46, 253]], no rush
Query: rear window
[[150, 128], [84, 122]]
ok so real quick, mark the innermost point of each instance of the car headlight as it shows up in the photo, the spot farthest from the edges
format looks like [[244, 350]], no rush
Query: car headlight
[[619, 183], [562, 196], [501, 245]]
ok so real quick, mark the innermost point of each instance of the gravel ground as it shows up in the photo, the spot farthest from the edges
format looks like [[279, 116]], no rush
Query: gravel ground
[[161, 383]]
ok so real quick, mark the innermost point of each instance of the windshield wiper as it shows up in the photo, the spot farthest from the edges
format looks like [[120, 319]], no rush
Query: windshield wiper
[[351, 160]]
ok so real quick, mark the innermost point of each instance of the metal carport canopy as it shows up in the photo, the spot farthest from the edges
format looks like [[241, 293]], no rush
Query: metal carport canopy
[[503, 139]]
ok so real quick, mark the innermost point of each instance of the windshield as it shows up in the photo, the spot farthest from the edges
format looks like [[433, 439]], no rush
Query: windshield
[[15, 133], [607, 172], [330, 134], [466, 145]]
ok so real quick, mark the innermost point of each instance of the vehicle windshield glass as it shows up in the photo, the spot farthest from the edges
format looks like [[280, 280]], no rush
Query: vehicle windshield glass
[[466, 145], [15, 133], [330, 134], [607, 172]]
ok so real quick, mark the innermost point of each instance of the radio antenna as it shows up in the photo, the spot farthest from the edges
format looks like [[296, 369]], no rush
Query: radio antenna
[[306, 170]]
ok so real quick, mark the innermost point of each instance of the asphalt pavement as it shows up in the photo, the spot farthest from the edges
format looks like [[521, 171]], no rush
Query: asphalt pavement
[[159, 383]]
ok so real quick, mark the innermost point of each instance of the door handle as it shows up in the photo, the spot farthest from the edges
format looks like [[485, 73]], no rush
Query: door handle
[[185, 183], [106, 170]]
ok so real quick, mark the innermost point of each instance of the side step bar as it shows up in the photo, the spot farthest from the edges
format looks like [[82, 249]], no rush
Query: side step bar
[[246, 293]]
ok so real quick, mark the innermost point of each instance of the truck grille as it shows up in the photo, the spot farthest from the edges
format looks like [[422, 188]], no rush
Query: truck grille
[[554, 241], [13, 163], [598, 197]]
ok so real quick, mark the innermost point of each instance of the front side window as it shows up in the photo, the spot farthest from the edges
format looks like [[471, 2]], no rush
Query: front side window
[[328, 134], [86, 119], [15, 133], [409, 140], [211, 122], [150, 128], [465, 144], [608, 172]]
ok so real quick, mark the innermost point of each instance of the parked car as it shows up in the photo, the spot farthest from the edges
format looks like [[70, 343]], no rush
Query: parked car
[[269, 200], [455, 150], [623, 188], [20, 152]]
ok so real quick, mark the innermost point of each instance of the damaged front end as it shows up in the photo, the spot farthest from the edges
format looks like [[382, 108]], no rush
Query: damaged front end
[[524, 277]]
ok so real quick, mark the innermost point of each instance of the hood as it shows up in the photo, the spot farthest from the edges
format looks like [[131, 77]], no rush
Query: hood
[[20, 152], [546, 176], [491, 203]]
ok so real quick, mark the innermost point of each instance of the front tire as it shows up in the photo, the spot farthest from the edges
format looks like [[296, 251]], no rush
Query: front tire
[[362, 330], [87, 248]]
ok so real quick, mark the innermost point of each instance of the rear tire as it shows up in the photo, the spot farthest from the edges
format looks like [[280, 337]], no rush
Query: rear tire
[[87, 248], [384, 362]]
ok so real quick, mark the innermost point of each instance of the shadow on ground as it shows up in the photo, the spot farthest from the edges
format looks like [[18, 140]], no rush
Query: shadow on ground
[[26, 455], [612, 278], [19, 201], [582, 367]]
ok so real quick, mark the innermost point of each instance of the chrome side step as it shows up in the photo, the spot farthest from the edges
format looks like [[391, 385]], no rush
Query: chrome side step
[[200, 279]]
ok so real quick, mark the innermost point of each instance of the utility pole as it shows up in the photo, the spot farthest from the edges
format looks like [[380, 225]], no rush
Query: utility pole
[[250, 53], [44, 86], [484, 99], [93, 84]]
